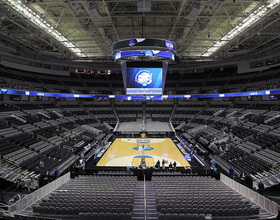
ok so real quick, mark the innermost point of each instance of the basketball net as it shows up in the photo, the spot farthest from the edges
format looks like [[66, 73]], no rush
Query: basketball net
[[142, 144]]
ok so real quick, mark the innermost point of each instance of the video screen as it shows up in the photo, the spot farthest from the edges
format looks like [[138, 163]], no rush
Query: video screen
[[144, 81]]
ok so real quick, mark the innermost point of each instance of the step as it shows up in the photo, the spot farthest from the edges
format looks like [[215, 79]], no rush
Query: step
[[151, 213], [155, 215], [138, 211], [137, 217], [152, 218]]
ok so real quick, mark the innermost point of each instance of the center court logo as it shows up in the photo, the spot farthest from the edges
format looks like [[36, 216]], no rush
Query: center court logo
[[144, 77]]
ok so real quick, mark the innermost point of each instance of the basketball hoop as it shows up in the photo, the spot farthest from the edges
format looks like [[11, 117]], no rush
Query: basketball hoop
[[143, 143]]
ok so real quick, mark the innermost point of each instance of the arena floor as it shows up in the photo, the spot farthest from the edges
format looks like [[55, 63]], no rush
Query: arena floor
[[126, 152]]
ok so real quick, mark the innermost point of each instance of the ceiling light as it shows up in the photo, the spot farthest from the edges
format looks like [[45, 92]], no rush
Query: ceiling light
[[242, 26], [44, 25]]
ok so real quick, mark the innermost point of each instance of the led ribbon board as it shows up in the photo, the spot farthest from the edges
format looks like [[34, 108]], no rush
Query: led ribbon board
[[144, 49], [156, 54], [161, 97]]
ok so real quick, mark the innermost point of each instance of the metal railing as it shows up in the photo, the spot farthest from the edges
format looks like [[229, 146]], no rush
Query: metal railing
[[27, 201], [4, 121], [255, 197]]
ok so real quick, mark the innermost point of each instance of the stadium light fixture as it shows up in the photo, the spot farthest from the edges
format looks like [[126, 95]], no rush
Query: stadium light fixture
[[255, 16], [36, 19]]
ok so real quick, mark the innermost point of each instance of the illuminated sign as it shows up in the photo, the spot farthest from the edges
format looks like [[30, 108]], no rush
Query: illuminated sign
[[118, 56], [148, 53], [169, 45], [4, 91], [142, 89]]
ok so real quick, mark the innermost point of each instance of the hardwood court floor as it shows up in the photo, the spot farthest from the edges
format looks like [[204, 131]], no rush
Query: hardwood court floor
[[121, 153]]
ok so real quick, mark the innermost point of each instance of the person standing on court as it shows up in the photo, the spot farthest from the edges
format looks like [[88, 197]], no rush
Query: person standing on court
[[157, 164], [163, 162], [174, 165], [170, 166]]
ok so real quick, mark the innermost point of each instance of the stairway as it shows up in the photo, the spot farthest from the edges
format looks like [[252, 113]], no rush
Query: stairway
[[151, 212], [139, 202], [144, 202]]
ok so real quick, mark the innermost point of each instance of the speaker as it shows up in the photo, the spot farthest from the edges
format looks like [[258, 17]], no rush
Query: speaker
[[193, 13], [94, 13], [143, 5]]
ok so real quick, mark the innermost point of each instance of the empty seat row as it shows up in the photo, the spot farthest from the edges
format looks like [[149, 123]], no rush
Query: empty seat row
[[104, 216], [182, 216], [177, 195]]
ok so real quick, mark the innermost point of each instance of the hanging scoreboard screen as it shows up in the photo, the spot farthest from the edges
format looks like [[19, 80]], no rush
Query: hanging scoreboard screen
[[144, 78], [144, 81]]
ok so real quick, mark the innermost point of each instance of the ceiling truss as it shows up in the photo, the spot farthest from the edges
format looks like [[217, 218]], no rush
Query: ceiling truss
[[121, 20]]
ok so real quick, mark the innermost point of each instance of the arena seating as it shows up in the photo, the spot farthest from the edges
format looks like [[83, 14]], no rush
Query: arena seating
[[46, 132], [214, 81], [56, 132], [129, 112], [253, 147], [190, 195], [159, 111], [91, 195], [102, 111], [117, 84], [187, 110]]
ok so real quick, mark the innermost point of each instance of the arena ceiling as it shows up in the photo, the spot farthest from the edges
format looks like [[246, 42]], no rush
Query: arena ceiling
[[204, 30]]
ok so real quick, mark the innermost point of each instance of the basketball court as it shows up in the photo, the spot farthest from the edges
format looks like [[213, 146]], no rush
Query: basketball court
[[128, 152]]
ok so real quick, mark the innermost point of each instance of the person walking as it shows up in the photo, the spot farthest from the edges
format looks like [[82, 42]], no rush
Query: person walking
[[41, 166], [231, 172], [83, 166], [261, 187], [56, 173]]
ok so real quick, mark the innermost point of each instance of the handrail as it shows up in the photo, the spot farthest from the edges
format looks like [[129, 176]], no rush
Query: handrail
[[30, 199], [4, 121], [17, 107], [145, 199], [14, 126], [255, 197], [41, 137], [29, 132]]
